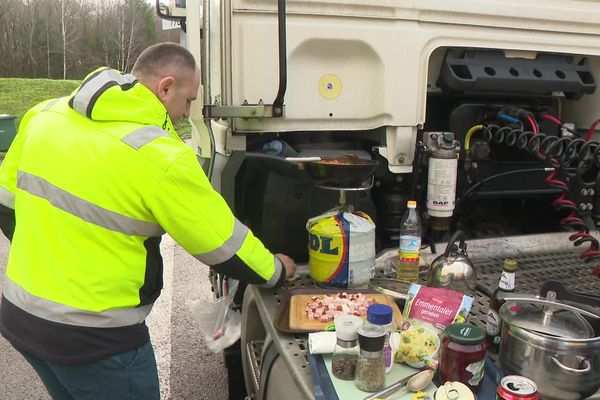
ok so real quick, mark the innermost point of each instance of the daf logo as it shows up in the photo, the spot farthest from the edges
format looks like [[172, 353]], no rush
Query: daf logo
[[440, 203]]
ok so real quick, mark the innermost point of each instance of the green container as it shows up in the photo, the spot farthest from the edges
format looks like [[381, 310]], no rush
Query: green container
[[8, 130]]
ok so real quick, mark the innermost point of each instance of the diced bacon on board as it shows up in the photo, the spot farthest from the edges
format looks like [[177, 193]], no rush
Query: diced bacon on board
[[325, 307]]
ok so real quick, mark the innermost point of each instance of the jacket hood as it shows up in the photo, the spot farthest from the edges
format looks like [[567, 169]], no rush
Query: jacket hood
[[108, 95]]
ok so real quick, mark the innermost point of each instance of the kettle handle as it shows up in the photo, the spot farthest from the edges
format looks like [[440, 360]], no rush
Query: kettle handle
[[450, 246]]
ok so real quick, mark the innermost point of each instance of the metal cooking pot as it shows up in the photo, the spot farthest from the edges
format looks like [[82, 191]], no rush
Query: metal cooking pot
[[453, 269], [347, 171], [552, 344]]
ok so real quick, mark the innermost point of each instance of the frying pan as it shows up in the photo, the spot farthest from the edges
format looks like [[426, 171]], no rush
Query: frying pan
[[346, 171]]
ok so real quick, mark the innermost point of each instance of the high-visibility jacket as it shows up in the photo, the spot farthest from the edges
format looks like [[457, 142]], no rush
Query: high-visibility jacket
[[95, 180]]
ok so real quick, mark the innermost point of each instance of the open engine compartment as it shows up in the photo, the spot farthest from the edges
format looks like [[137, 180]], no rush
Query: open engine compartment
[[502, 186]]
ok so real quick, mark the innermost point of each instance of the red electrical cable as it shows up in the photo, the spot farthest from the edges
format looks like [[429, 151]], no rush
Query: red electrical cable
[[533, 124], [534, 128], [590, 132], [552, 119], [592, 251], [562, 202], [582, 233], [552, 181], [572, 218]]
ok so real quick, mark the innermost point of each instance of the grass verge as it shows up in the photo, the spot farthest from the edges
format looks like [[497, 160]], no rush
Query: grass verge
[[18, 95]]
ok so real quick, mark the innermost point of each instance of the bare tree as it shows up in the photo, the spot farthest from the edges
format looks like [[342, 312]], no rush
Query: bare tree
[[33, 20], [11, 34], [68, 38], [48, 41], [46, 35], [132, 37], [63, 30]]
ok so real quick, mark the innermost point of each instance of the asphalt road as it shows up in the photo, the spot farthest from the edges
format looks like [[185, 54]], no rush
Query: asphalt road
[[187, 369]]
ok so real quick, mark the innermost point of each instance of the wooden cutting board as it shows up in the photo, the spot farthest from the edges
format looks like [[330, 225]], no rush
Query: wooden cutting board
[[299, 318]]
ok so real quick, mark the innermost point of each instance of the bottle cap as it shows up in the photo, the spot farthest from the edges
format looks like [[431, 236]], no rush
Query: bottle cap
[[379, 314], [465, 333], [411, 204], [371, 337], [346, 326], [509, 265]]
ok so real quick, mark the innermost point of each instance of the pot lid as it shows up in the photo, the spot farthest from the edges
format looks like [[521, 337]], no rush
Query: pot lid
[[545, 316]]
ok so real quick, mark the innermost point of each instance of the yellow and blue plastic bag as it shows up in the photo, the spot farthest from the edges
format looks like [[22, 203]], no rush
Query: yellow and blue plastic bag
[[341, 249]]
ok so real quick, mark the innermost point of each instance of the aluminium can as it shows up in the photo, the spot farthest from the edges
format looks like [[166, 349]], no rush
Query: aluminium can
[[516, 387]]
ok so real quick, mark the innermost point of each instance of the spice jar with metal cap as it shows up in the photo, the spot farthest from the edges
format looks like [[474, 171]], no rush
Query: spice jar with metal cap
[[463, 355], [345, 354], [370, 368]]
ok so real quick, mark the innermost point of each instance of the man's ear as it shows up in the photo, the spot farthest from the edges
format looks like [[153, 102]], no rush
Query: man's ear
[[164, 86]]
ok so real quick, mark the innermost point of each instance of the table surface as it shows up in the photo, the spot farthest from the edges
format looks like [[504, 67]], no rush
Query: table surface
[[540, 258]]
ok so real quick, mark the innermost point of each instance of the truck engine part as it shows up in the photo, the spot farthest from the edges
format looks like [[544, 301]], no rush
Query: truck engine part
[[572, 161], [441, 178]]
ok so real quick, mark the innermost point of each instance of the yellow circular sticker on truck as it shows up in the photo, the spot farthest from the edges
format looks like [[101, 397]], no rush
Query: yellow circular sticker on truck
[[330, 86]]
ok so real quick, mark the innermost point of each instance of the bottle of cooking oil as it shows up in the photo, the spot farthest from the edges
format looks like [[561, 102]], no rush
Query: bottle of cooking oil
[[410, 244]]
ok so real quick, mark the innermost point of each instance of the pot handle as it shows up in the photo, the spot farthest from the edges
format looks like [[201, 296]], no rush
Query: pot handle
[[450, 246], [517, 297], [302, 159], [574, 371]]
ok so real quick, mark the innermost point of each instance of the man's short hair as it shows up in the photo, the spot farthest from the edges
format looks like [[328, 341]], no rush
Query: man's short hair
[[162, 57]]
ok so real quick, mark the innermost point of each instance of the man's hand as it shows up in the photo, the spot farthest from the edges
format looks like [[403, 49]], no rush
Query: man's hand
[[288, 264]]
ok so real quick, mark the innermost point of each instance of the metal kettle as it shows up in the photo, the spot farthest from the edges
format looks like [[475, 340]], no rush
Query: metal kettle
[[453, 269]]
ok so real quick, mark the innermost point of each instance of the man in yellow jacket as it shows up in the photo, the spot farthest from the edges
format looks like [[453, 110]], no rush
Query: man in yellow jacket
[[87, 189]]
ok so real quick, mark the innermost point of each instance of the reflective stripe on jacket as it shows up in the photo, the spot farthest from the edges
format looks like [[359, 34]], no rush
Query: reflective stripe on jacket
[[95, 180]]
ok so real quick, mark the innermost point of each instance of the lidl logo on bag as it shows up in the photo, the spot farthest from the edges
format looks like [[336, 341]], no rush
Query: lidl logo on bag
[[322, 244]]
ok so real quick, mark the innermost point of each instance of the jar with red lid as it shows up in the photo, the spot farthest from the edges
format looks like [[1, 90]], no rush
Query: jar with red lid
[[463, 355]]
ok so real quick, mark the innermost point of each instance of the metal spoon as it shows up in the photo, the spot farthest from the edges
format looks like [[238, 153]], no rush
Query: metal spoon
[[417, 382], [420, 381], [390, 389]]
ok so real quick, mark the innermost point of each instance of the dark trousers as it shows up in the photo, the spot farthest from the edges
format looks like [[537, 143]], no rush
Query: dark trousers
[[127, 376]]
